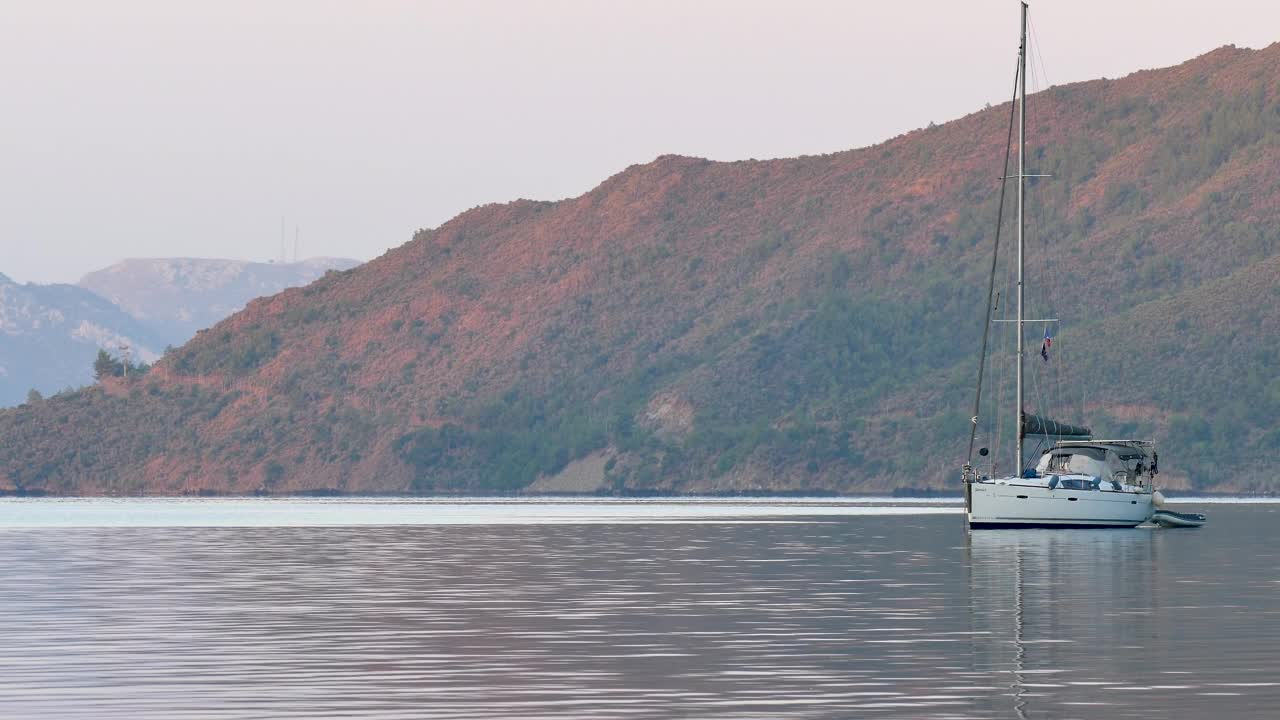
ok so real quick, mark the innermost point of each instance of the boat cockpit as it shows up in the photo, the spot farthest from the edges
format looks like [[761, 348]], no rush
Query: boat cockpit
[[1119, 462]]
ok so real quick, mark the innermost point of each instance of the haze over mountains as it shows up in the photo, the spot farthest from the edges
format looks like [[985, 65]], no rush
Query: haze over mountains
[[179, 296], [49, 334], [806, 324]]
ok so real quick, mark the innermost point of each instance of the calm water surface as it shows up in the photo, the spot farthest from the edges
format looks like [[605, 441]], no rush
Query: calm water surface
[[766, 609]]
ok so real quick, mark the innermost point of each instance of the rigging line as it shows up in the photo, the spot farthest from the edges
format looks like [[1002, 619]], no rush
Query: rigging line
[[1036, 73], [1053, 291], [1008, 355], [1004, 353], [991, 282], [1059, 367], [997, 403], [1007, 369], [1046, 291], [1055, 384], [1046, 385], [1058, 370], [1035, 43], [1066, 384], [1078, 375], [1065, 369], [1039, 393], [1032, 79], [1008, 394]]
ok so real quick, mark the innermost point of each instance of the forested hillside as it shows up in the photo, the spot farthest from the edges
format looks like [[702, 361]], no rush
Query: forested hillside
[[807, 324]]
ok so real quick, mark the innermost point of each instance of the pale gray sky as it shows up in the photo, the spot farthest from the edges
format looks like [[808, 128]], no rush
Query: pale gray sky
[[159, 127]]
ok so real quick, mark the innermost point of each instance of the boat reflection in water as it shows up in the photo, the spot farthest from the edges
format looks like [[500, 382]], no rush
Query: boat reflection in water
[[1061, 616]]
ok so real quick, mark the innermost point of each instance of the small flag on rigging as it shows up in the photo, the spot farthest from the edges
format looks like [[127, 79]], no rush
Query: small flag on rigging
[[1048, 342]]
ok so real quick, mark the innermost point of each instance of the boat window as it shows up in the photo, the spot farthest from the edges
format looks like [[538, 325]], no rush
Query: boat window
[[1090, 452]]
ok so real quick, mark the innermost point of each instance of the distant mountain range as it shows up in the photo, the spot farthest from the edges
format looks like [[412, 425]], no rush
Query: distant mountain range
[[49, 334], [798, 325], [178, 296]]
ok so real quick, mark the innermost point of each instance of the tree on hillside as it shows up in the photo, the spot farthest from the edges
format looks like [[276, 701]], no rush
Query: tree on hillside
[[34, 396], [106, 366]]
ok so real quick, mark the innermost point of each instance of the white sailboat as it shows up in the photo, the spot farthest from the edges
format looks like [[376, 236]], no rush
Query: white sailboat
[[1078, 481]]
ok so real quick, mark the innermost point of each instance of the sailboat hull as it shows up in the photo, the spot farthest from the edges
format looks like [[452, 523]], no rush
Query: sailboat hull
[[1011, 505]]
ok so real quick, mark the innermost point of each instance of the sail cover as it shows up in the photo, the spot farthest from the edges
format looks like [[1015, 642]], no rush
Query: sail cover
[[1036, 425]]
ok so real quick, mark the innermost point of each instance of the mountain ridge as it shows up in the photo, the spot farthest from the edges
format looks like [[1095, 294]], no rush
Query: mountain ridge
[[181, 295], [803, 324]]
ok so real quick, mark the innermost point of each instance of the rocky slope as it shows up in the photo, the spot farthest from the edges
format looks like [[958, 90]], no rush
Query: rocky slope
[[805, 324]]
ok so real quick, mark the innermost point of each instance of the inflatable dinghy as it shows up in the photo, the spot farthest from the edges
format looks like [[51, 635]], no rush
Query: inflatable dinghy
[[1171, 519]]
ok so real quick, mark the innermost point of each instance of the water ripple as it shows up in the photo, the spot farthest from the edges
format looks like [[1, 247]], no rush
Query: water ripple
[[828, 615]]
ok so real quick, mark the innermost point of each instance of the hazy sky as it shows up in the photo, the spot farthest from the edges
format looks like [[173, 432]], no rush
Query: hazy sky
[[137, 128]]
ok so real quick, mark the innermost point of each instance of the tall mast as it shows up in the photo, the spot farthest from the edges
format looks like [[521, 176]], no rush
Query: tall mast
[[1022, 159]]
